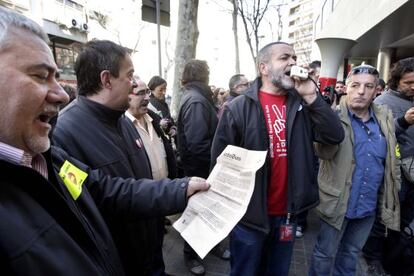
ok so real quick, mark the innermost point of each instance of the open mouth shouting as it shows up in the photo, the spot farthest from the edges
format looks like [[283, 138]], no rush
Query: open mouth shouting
[[46, 115]]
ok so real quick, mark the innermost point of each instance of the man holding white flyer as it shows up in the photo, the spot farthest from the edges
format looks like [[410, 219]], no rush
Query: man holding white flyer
[[282, 115]]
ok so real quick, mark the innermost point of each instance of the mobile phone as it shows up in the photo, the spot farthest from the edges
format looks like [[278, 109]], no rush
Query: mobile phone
[[299, 72]]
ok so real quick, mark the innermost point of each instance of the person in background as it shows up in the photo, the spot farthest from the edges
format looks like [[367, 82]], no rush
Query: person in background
[[400, 99], [157, 104], [159, 152], [237, 85], [340, 87], [196, 124], [357, 178], [315, 70], [219, 96], [340, 91], [381, 87]]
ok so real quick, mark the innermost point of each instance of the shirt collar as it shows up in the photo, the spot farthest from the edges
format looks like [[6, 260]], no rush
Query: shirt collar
[[18, 156], [130, 116], [14, 155], [133, 119], [353, 116], [147, 118]]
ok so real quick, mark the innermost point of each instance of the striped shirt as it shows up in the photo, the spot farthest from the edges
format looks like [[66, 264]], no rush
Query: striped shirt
[[20, 157]]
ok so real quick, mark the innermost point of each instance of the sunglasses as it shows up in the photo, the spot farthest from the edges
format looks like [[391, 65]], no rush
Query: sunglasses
[[142, 92], [364, 69]]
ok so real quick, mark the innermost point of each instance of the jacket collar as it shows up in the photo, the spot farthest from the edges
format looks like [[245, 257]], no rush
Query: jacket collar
[[253, 91], [100, 111], [200, 88], [400, 95], [157, 102], [379, 111]]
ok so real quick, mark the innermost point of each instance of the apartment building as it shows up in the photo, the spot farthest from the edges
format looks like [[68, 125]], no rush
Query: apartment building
[[300, 29]]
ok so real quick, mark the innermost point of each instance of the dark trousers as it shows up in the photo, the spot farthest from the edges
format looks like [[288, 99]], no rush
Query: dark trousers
[[374, 246], [159, 266], [189, 252], [254, 252], [302, 220]]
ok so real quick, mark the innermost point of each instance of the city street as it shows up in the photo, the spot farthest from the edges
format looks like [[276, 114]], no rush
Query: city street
[[174, 261]]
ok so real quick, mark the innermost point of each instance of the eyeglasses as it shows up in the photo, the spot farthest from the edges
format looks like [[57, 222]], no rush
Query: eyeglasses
[[364, 69], [246, 84], [142, 92]]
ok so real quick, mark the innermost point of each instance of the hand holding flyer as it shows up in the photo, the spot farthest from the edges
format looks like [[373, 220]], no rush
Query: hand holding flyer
[[211, 215]]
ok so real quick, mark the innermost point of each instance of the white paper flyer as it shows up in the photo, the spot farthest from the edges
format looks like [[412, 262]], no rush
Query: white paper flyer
[[211, 215]]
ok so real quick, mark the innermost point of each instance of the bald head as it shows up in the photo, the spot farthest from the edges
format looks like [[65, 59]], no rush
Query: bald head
[[141, 85]]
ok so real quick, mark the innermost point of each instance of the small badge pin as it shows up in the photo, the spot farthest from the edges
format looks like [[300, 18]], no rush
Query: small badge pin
[[139, 143]]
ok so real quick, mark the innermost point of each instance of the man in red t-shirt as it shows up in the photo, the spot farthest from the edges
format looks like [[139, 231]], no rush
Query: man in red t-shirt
[[283, 116]]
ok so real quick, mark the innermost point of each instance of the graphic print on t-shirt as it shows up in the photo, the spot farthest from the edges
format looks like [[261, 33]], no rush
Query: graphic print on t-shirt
[[275, 113], [274, 109], [279, 126]]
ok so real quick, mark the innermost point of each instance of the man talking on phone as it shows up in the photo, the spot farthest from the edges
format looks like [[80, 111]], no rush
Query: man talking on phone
[[283, 115]]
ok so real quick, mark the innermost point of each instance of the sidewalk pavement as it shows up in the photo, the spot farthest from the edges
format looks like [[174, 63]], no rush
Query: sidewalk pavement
[[175, 265]]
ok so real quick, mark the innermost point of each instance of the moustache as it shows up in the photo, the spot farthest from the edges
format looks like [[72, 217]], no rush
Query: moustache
[[50, 110]]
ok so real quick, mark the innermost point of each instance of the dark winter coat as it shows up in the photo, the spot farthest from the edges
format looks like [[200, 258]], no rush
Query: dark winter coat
[[196, 124], [243, 124], [102, 138]]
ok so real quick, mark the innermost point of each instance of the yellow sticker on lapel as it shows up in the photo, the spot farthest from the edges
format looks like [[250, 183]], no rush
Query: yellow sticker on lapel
[[73, 178]]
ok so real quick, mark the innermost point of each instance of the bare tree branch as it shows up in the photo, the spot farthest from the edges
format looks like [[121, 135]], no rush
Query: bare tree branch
[[246, 29], [252, 16], [170, 61], [141, 27]]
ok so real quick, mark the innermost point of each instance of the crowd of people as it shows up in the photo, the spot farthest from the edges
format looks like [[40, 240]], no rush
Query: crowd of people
[[88, 180]]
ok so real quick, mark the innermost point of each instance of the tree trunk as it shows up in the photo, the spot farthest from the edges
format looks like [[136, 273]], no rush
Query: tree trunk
[[236, 36], [185, 49]]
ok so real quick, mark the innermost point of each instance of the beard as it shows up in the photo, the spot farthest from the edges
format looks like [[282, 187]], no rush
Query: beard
[[38, 144], [280, 79]]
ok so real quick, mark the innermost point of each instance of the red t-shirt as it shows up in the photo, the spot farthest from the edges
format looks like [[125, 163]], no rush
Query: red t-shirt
[[274, 109]]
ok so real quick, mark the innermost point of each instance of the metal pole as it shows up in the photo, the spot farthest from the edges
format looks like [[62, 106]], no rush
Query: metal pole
[[159, 38]]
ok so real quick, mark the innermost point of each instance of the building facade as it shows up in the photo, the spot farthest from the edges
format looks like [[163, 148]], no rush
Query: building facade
[[72, 23], [300, 29], [375, 32]]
